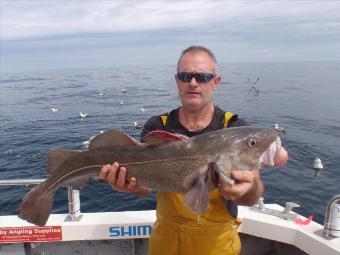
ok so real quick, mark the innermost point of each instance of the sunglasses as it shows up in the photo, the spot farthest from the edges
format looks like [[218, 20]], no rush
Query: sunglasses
[[199, 77]]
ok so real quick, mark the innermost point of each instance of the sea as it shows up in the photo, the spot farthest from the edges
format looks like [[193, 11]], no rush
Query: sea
[[302, 97]]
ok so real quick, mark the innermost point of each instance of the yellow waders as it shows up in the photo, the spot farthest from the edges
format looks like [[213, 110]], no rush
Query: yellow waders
[[178, 231]]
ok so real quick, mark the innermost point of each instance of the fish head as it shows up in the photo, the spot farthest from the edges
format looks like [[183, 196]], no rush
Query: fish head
[[254, 147]]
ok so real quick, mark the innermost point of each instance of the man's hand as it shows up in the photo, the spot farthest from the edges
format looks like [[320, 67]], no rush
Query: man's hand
[[116, 177], [247, 189], [248, 185]]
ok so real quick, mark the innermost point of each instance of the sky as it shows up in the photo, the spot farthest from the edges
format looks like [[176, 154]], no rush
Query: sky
[[56, 34]]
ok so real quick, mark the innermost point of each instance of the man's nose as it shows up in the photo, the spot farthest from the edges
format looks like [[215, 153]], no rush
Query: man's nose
[[193, 82]]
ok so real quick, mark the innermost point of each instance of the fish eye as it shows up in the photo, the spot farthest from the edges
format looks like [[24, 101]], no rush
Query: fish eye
[[251, 142]]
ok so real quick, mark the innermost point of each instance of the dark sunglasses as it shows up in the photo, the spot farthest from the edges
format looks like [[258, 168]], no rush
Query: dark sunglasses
[[199, 77]]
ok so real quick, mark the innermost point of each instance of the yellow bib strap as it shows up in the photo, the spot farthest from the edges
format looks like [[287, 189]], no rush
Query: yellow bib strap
[[227, 117], [164, 119]]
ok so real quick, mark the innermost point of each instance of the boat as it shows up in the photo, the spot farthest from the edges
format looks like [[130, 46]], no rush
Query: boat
[[265, 229]]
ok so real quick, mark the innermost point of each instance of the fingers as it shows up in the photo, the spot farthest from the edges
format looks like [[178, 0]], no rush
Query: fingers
[[121, 177], [243, 183], [104, 172], [243, 176], [116, 177], [132, 185], [112, 174]]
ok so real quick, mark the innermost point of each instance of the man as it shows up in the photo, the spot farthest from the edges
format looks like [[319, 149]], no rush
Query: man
[[178, 230]]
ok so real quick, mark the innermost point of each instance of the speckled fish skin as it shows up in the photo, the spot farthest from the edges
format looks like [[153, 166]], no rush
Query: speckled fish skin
[[175, 166], [171, 167], [167, 167]]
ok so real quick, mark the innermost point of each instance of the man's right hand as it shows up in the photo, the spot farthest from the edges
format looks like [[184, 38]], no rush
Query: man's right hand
[[116, 177]]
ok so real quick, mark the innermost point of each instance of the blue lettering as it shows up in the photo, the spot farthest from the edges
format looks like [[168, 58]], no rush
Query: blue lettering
[[114, 231], [146, 230], [132, 230], [123, 232]]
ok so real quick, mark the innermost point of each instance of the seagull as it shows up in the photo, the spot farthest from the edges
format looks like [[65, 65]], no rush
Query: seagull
[[318, 163], [124, 90], [54, 109], [100, 93], [121, 102], [142, 109], [278, 128], [137, 125], [83, 114]]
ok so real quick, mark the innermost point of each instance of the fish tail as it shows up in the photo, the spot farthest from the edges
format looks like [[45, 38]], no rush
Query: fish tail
[[36, 206]]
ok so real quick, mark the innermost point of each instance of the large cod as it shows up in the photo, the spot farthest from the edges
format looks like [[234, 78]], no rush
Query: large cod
[[166, 162]]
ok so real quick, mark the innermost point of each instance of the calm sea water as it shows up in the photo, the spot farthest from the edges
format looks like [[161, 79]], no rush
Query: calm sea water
[[302, 97]]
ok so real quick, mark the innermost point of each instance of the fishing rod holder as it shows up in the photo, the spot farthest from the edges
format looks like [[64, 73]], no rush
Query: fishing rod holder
[[73, 196], [285, 214], [332, 218]]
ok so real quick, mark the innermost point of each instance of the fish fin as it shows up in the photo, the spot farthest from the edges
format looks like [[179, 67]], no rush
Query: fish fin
[[226, 179], [222, 166], [197, 198], [36, 206], [55, 158], [159, 137], [111, 139]]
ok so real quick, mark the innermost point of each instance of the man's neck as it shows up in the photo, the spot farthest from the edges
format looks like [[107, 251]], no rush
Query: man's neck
[[196, 120]]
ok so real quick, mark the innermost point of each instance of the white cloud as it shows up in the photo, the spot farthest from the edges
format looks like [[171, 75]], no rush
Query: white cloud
[[45, 33], [27, 19]]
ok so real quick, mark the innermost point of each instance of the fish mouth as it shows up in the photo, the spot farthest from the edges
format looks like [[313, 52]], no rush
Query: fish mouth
[[273, 154]]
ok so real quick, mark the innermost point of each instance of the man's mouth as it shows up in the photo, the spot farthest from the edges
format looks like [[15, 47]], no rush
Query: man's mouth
[[193, 93]]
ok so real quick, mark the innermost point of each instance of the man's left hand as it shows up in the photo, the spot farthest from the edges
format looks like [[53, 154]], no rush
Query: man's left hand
[[247, 189]]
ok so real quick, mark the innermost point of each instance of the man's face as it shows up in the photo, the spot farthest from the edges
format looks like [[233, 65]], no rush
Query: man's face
[[194, 95]]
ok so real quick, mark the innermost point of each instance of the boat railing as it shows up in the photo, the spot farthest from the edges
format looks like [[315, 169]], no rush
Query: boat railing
[[331, 218], [73, 195], [74, 214]]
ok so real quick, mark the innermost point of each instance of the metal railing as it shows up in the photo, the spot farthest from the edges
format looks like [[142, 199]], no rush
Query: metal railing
[[73, 195], [17, 182], [328, 215]]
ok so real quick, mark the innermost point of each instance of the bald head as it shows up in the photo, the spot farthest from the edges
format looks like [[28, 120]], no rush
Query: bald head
[[196, 49]]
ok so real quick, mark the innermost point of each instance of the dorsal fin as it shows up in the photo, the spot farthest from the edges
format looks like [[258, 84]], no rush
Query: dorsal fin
[[56, 157], [159, 137], [111, 139]]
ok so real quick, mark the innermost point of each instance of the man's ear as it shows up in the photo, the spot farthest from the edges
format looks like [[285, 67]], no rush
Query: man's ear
[[217, 81]]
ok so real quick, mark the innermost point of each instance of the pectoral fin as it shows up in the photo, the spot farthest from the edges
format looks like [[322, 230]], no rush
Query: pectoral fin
[[222, 166], [197, 199]]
